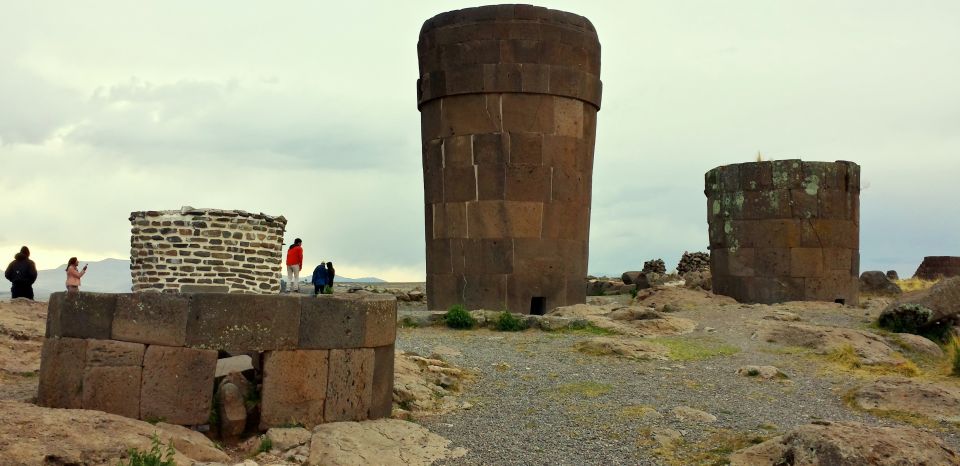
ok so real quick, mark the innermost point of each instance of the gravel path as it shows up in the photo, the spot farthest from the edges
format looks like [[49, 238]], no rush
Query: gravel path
[[538, 401]]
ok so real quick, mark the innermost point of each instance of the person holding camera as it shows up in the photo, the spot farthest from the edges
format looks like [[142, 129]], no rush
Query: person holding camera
[[74, 275]]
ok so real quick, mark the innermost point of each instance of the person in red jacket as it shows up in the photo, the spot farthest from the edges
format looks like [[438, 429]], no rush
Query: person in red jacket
[[294, 265]]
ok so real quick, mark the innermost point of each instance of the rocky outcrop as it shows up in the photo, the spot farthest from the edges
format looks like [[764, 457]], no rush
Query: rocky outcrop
[[849, 444], [426, 385], [628, 320], [385, 442], [698, 280], [933, 400], [870, 349], [943, 299], [629, 348], [33, 435], [877, 282]]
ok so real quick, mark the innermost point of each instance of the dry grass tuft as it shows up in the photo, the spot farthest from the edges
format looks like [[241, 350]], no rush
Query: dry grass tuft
[[715, 449], [847, 359], [909, 285]]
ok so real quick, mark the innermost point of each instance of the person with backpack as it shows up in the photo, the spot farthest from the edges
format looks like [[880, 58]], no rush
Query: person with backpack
[[74, 275], [319, 279], [22, 272], [294, 265]]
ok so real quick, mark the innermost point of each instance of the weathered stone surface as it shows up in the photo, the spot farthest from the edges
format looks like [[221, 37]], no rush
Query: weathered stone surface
[[234, 365], [381, 397], [784, 230], [627, 348], [82, 315], [849, 444], [113, 390], [62, 363], [763, 372], [391, 441], [231, 410], [348, 321], [916, 344], [934, 400], [286, 438], [869, 348], [686, 413], [943, 299], [243, 322], [177, 384], [114, 353], [294, 387], [152, 318], [350, 385]]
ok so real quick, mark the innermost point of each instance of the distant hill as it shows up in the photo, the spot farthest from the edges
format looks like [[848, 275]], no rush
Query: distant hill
[[108, 276]]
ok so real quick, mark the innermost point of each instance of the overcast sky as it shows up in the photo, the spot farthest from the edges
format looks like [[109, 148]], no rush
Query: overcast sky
[[308, 110]]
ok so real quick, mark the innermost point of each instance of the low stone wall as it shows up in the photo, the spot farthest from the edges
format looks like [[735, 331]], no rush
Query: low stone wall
[[206, 250], [152, 356]]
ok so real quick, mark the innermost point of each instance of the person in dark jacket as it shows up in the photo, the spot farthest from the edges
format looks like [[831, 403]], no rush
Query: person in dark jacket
[[319, 279], [331, 273], [22, 272]]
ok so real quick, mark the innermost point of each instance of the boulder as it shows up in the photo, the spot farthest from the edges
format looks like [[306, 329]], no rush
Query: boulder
[[386, 442], [627, 348], [630, 278], [916, 344], [232, 411], [849, 444], [892, 275], [870, 348], [876, 282], [284, 439]]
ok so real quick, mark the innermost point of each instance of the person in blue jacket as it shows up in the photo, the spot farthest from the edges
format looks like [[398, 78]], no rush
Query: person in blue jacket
[[319, 279]]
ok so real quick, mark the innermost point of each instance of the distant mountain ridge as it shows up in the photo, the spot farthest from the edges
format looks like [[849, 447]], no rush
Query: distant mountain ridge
[[107, 276]]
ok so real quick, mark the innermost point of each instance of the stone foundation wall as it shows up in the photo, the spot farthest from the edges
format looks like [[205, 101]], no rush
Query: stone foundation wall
[[934, 267], [785, 230], [153, 356], [206, 250], [508, 98]]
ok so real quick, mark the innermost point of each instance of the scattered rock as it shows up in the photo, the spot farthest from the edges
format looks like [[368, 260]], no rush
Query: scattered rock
[[630, 278], [425, 385], [286, 438], [666, 436], [892, 275], [929, 399], [876, 282], [686, 413], [384, 442], [635, 321], [763, 372], [628, 348], [848, 444]]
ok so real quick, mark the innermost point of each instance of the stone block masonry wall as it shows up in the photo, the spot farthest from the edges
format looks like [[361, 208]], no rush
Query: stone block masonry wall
[[153, 356], [508, 98], [785, 230], [206, 250], [936, 267]]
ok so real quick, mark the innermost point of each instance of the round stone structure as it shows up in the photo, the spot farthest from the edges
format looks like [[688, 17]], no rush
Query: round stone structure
[[154, 355], [785, 230], [213, 250], [936, 267], [508, 98]]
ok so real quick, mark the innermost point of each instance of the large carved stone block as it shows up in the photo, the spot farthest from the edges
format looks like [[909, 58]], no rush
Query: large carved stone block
[[381, 401], [81, 315], [151, 318], [62, 363], [240, 322], [350, 385], [177, 384], [294, 388]]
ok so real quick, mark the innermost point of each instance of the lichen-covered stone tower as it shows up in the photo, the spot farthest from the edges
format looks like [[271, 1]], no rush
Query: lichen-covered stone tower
[[785, 230], [508, 98]]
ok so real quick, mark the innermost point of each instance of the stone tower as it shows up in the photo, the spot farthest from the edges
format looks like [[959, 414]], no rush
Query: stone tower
[[785, 230], [508, 98]]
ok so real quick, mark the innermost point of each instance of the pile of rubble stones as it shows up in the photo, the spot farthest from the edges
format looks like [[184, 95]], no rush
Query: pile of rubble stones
[[693, 262], [654, 266]]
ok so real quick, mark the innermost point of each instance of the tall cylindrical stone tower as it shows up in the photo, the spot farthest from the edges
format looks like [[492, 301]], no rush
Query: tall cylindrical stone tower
[[508, 98], [785, 230], [937, 267]]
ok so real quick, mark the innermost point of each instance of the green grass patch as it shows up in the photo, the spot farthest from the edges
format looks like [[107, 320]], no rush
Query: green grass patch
[[683, 349], [507, 322], [587, 328], [459, 318], [157, 455], [584, 389]]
